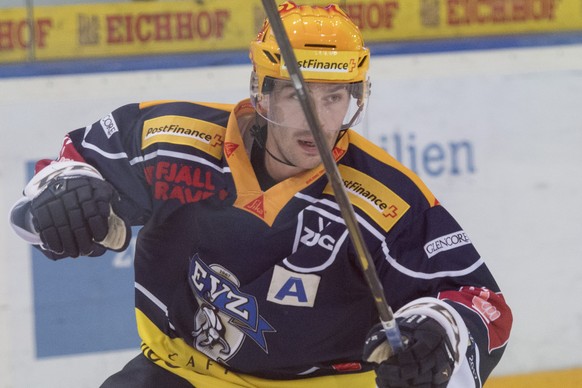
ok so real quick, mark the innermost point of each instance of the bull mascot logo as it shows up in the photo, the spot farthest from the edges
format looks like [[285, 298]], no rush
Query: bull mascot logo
[[209, 330]]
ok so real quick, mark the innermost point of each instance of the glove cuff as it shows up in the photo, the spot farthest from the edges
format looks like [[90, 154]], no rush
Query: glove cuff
[[447, 317], [20, 217], [21, 222], [119, 233], [58, 170]]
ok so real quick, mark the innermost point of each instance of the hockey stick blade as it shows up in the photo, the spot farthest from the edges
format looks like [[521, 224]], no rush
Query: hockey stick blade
[[384, 310]]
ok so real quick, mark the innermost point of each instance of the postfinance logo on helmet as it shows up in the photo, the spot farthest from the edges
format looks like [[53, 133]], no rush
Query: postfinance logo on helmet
[[331, 65], [328, 46]]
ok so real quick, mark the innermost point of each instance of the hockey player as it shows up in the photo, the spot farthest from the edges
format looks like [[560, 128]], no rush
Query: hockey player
[[244, 272]]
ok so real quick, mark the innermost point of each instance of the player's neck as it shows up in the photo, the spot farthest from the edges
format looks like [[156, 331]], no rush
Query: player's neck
[[278, 170], [258, 162]]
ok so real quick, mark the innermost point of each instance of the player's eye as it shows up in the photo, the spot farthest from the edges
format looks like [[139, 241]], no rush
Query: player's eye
[[336, 97]]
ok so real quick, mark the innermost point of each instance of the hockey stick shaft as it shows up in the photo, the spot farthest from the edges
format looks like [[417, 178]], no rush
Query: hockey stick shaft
[[384, 310]]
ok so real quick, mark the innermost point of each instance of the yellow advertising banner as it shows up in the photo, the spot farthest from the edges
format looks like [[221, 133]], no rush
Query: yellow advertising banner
[[169, 27], [125, 29], [402, 20]]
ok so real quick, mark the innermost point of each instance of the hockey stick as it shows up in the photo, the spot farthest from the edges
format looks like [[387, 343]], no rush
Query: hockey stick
[[347, 211]]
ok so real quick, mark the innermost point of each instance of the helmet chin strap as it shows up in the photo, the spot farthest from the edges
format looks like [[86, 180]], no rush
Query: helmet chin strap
[[259, 132]]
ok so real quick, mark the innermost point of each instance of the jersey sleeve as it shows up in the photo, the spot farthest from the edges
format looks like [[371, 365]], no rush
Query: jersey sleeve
[[431, 265], [158, 155], [108, 149], [112, 146]]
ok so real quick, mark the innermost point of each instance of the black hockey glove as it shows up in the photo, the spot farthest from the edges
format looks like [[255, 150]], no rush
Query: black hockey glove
[[427, 360], [75, 217]]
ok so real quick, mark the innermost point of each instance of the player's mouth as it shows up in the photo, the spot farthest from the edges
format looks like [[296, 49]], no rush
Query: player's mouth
[[308, 146]]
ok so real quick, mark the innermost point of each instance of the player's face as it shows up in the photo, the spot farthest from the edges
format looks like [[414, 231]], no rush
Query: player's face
[[290, 139]]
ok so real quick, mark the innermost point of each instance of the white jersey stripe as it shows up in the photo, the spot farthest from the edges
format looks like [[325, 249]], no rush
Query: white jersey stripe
[[334, 205], [108, 155], [177, 155], [155, 300], [423, 275]]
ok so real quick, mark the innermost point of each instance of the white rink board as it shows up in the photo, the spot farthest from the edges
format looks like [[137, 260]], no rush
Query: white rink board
[[496, 135]]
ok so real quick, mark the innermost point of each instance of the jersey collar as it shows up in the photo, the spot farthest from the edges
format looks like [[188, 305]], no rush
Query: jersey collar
[[265, 205]]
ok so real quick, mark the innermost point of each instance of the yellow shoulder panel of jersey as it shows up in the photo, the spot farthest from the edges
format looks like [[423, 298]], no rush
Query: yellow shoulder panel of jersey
[[215, 105], [379, 202], [378, 153], [205, 136]]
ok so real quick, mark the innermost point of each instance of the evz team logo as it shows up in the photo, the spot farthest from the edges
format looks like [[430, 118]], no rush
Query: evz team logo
[[226, 315]]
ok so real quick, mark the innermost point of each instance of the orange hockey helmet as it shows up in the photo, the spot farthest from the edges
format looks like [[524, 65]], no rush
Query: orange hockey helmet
[[328, 46]]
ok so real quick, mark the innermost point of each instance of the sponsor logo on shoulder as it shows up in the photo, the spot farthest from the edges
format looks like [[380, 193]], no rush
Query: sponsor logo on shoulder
[[375, 199], [446, 243], [109, 125], [205, 136]]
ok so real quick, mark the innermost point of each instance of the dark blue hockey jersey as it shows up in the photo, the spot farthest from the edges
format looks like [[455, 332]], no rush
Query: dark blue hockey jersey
[[236, 286]]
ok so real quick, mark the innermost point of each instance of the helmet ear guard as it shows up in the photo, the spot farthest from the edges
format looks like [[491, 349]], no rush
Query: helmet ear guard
[[258, 96]]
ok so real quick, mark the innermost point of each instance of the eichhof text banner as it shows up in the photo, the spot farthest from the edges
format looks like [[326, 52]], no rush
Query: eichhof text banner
[[170, 27]]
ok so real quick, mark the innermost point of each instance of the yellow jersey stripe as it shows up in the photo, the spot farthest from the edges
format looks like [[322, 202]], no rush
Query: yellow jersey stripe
[[381, 155], [174, 355]]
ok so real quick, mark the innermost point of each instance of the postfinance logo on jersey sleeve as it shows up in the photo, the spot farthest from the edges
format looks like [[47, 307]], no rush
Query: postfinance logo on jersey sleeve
[[205, 136], [379, 202]]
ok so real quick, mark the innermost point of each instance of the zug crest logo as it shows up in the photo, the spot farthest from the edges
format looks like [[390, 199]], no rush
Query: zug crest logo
[[226, 315], [318, 238], [315, 237]]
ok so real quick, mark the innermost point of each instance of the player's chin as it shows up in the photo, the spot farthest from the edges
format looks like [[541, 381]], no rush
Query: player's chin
[[307, 162]]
